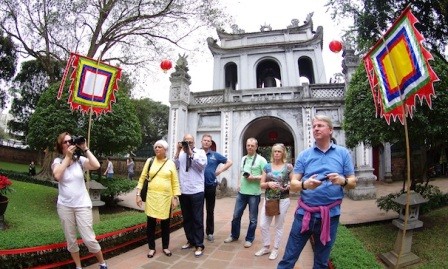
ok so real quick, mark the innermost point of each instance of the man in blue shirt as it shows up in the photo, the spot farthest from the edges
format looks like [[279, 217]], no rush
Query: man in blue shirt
[[214, 159], [321, 173]]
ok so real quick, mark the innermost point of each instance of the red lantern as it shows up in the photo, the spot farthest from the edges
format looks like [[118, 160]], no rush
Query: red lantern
[[273, 135], [335, 46], [166, 65]]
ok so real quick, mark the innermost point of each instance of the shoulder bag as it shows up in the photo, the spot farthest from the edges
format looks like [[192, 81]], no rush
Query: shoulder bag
[[148, 179], [272, 207]]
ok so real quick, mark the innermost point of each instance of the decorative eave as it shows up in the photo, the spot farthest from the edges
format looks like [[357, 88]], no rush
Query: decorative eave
[[316, 39], [308, 25]]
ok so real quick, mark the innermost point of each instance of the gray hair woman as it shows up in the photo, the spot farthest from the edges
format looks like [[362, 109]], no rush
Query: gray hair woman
[[162, 195]]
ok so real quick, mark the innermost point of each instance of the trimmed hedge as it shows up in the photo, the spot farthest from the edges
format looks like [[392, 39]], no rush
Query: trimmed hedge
[[349, 252]]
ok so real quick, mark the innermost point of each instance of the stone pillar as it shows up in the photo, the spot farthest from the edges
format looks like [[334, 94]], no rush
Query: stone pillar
[[179, 100], [365, 189], [387, 163], [95, 189]]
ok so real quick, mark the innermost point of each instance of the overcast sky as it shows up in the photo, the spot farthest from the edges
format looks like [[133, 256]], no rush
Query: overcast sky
[[249, 15]]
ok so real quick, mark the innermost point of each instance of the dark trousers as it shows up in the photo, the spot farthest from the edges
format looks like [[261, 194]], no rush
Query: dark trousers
[[151, 232], [192, 206], [210, 199]]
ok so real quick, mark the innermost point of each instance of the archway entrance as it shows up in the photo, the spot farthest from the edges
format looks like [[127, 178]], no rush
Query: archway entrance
[[269, 131]]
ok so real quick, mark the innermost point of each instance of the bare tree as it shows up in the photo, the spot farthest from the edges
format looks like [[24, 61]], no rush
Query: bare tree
[[126, 32]]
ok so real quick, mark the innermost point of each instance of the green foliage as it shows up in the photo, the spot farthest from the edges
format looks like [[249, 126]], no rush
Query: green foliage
[[8, 63], [372, 18], [115, 186], [29, 84], [153, 117], [436, 199], [113, 132], [348, 252]]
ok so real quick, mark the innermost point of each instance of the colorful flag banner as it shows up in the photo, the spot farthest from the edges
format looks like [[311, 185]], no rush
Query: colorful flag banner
[[398, 70], [93, 84]]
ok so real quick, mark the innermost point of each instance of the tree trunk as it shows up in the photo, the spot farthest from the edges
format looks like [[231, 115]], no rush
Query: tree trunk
[[46, 173]]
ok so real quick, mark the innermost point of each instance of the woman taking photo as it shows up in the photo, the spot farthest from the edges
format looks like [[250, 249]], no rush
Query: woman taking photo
[[74, 205], [163, 189], [275, 180]]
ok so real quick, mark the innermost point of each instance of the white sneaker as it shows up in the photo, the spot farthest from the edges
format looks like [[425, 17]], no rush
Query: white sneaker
[[274, 254], [247, 244], [262, 252], [229, 239], [210, 238]]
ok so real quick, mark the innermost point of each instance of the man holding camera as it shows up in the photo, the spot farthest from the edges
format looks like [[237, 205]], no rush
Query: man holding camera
[[191, 162], [249, 193]]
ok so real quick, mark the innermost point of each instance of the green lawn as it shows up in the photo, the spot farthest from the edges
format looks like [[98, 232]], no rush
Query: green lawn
[[17, 167], [33, 221], [429, 242]]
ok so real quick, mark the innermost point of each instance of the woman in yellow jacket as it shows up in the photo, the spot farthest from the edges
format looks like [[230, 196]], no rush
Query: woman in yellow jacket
[[163, 190]]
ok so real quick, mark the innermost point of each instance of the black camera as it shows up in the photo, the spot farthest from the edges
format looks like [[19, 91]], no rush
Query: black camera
[[246, 174], [77, 140], [184, 144]]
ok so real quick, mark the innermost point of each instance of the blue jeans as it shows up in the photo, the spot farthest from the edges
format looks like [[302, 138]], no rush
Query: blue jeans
[[242, 200], [297, 241]]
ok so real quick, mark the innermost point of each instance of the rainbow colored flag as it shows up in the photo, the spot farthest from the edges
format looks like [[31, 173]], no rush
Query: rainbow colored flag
[[93, 84], [398, 70]]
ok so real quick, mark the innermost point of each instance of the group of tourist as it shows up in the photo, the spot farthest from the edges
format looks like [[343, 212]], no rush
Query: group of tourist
[[320, 174]]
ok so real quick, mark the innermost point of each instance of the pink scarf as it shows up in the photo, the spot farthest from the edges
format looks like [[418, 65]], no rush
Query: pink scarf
[[325, 215]]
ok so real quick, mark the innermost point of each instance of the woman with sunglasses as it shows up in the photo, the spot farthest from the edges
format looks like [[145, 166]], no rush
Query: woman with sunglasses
[[275, 180], [74, 205]]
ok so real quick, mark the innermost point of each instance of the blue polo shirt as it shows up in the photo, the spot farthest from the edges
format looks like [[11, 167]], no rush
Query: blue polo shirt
[[312, 161], [213, 160]]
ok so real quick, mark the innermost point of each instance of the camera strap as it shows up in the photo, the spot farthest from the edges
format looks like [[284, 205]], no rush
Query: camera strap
[[253, 160], [149, 166]]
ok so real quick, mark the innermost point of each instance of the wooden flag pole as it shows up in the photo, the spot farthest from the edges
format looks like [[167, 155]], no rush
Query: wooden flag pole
[[408, 157], [90, 118]]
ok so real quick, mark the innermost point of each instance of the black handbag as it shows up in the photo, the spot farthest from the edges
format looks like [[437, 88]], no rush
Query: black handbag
[[144, 190]]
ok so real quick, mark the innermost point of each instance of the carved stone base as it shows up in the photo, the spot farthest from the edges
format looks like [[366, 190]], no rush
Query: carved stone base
[[390, 258], [222, 190], [96, 215], [365, 190]]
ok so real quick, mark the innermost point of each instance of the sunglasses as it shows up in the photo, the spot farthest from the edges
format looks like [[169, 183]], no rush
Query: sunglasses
[[68, 142]]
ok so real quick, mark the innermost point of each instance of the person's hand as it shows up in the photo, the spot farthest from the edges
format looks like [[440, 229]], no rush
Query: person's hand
[[138, 201], [312, 182], [174, 202], [274, 185], [70, 151], [336, 179], [82, 146]]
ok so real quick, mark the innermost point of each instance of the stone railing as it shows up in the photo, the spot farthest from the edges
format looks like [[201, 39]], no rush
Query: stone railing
[[315, 91]]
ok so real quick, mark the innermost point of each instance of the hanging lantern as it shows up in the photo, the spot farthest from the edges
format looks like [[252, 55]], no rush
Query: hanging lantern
[[273, 135], [335, 46], [166, 65]]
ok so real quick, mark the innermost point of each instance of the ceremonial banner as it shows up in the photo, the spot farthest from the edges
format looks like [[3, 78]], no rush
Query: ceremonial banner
[[93, 84], [398, 70]]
